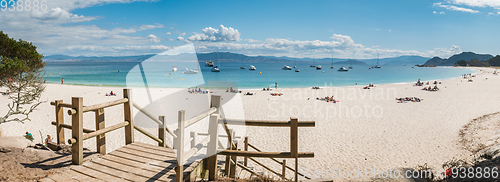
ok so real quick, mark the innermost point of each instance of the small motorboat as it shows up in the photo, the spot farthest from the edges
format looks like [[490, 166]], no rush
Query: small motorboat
[[370, 67], [215, 69], [190, 71], [209, 64], [174, 69], [342, 69], [242, 67], [318, 67], [297, 70], [252, 68], [350, 67], [377, 66], [286, 68], [331, 67]]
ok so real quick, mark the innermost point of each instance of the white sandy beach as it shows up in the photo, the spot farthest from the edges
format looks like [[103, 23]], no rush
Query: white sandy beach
[[367, 128]]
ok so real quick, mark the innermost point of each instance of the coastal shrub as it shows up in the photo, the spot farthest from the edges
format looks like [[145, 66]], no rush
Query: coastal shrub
[[21, 73], [495, 61]]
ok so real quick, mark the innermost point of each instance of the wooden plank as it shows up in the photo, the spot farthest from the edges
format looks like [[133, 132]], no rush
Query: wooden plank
[[96, 174], [161, 132], [150, 161], [99, 106], [99, 125], [126, 161], [67, 126], [100, 132], [213, 129], [160, 175], [170, 159], [179, 169], [127, 111], [150, 151], [77, 131], [46, 179], [294, 142], [265, 123], [59, 121], [152, 147], [115, 172], [61, 178], [79, 176], [265, 154], [62, 104]]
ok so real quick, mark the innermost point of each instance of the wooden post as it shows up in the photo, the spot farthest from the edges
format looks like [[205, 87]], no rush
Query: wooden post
[[283, 169], [193, 136], [228, 158], [99, 124], [213, 129], [161, 132], [215, 101], [179, 170], [59, 121], [232, 170], [127, 111], [294, 144], [77, 131], [245, 159]]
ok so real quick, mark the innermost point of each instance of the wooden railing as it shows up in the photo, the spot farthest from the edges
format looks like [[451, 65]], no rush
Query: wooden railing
[[76, 110], [211, 141]]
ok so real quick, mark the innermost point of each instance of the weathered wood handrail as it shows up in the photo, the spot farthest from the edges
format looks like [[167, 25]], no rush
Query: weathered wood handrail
[[150, 116], [224, 136], [265, 123], [190, 153], [99, 132], [199, 117], [67, 126], [99, 106], [61, 104], [149, 134], [265, 154], [281, 163]]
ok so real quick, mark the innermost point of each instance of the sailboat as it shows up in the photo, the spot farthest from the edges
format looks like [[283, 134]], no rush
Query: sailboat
[[286, 67], [174, 69], [243, 67], [190, 71], [332, 62], [216, 68], [312, 65], [350, 67], [318, 67], [342, 69], [294, 63], [377, 66]]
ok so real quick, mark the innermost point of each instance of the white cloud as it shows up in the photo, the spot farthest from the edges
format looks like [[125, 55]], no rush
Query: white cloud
[[434, 12], [182, 34], [153, 38], [442, 13], [223, 34], [478, 3], [59, 15], [455, 8], [168, 33], [180, 38], [498, 12], [252, 40], [171, 39]]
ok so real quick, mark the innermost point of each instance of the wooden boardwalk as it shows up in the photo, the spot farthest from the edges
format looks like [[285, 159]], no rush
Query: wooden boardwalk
[[133, 162]]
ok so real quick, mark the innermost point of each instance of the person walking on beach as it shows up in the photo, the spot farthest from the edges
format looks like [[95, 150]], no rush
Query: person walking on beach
[[48, 139], [275, 85], [62, 81]]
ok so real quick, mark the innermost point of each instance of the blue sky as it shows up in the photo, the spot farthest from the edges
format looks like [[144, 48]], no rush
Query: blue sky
[[348, 29]]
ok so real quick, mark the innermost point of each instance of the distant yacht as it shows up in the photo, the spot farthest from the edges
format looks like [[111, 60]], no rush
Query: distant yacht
[[209, 64], [312, 65], [377, 66], [190, 71], [174, 69], [331, 67], [252, 68], [286, 68], [350, 67], [243, 67], [318, 67], [216, 68], [342, 69], [297, 70]]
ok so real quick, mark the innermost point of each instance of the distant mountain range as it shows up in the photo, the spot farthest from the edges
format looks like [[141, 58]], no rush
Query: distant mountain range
[[466, 56], [233, 57]]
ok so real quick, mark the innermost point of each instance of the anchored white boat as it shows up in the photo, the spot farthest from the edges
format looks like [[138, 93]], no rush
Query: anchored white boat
[[190, 71], [286, 67], [252, 68], [342, 69], [318, 67], [209, 64], [216, 68], [297, 70], [174, 69]]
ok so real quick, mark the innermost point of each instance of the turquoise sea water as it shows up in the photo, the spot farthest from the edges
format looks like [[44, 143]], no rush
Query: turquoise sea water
[[157, 74]]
